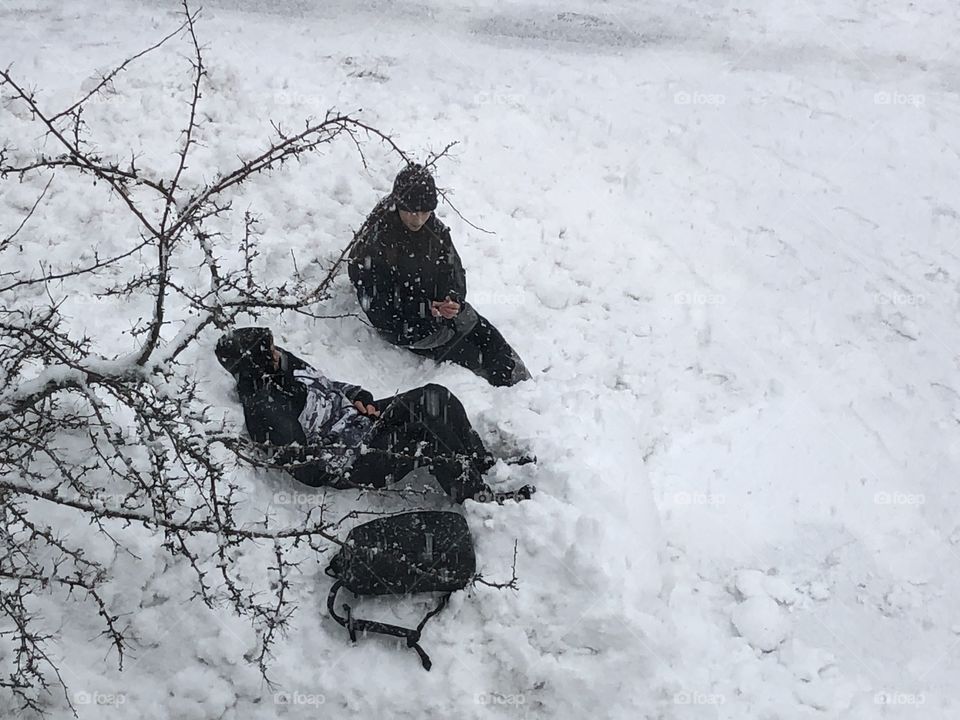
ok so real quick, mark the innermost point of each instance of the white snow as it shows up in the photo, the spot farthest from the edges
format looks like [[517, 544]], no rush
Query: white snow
[[760, 622], [725, 244]]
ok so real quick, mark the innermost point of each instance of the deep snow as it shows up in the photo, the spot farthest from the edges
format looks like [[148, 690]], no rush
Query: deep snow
[[724, 244]]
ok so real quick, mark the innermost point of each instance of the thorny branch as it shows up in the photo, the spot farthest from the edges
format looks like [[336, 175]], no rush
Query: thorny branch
[[123, 440], [511, 583]]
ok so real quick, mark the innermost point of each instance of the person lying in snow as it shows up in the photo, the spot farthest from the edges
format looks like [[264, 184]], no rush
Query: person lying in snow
[[412, 286], [336, 434]]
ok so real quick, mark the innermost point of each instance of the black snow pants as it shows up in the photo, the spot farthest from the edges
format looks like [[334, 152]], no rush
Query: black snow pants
[[484, 351], [424, 427]]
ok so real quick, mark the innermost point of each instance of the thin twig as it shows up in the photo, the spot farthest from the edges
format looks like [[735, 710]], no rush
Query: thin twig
[[7, 240]]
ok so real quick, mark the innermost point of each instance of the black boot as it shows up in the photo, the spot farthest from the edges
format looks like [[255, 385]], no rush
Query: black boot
[[518, 495], [523, 459]]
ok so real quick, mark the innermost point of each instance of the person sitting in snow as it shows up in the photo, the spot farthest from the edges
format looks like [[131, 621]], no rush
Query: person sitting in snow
[[336, 434], [412, 286]]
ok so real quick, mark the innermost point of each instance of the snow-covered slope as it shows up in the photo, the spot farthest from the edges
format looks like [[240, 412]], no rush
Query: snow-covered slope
[[724, 242]]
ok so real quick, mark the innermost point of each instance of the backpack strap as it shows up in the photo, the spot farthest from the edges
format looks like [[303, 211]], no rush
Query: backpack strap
[[353, 625]]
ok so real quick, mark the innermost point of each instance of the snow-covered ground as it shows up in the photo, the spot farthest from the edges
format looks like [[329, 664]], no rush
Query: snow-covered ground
[[725, 244]]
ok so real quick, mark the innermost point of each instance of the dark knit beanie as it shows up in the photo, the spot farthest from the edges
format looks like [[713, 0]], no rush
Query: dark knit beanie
[[246, 350], [414, 189]]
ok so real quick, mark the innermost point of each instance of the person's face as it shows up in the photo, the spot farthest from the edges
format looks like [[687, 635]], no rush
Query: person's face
[[413, 221]]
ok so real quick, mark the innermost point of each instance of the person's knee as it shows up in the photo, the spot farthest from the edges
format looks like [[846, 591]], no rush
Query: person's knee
[[312, 476], [434, 388], [432, 400], [436, 400]]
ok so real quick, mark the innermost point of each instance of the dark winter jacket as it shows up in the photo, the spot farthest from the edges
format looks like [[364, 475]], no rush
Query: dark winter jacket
[[398, 273], [309, 414]]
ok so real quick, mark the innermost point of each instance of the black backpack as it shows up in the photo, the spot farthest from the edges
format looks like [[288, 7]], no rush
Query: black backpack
[[427, 551]]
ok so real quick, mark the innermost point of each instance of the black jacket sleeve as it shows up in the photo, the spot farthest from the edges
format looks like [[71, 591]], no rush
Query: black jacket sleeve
[[375, 282], [273, 417], [272, 403], [354, 392], [456, 275]]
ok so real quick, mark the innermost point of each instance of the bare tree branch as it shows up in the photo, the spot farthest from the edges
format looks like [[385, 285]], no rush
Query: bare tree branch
[[511, 583], [105, 80], [7, 240], [125, 441]]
